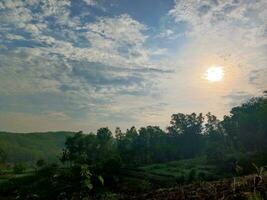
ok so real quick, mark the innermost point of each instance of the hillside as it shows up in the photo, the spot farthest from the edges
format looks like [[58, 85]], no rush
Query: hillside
[[29, 147]]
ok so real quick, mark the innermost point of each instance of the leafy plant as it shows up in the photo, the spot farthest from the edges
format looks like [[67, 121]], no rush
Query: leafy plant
[[259, 173], [19, 168], [40, 163], [86, 176]]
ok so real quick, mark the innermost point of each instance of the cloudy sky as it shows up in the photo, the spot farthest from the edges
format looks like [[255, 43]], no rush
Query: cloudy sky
[[85, 64]]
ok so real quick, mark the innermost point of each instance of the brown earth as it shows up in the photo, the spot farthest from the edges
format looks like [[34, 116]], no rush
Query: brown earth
[[226, 189]]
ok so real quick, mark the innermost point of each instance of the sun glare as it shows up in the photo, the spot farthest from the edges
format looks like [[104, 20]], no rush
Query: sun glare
[[214, 73]]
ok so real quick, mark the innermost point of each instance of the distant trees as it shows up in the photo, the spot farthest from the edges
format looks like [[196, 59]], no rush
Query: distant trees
[[186, 124], [188, 136], [104, 135]]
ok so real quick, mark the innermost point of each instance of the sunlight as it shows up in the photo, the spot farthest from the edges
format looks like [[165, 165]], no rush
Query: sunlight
[[214, 74]]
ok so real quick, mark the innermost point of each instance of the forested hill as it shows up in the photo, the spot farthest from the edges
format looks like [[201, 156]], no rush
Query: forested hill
[[29, 147]]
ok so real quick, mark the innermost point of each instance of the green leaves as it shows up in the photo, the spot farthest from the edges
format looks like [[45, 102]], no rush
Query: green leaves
[[86, 176], [100, 178]]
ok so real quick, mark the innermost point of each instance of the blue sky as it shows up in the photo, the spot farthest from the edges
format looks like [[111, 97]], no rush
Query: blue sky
[[85, 64]]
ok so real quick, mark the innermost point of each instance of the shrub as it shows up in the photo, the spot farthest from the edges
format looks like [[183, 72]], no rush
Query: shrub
[[19, 168], [40, 163], [191, 175], [202, 176], [180, 179]]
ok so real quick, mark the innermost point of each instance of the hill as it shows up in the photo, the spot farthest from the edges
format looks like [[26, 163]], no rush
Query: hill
[[29, 147]]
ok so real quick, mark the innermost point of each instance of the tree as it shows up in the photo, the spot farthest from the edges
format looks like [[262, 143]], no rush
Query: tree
[[127, 146], [152, 144], [103, 135], [118, 133], [186, 130], [186, 124], [215, 143], [247, 127], [74, 149]]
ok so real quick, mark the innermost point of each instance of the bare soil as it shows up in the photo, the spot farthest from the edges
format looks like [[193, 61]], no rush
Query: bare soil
[[226, 189]]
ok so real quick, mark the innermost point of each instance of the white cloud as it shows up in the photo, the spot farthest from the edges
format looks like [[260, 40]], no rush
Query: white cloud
[[63, 63], [242, 22], [109, 69], [91, 2]]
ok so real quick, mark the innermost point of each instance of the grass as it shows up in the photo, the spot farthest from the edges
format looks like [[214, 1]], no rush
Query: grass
[[167, 175], [180, 168]]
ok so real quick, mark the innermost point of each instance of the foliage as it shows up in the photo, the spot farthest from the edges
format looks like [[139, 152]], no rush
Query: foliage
[[40, 163], [19, 168]]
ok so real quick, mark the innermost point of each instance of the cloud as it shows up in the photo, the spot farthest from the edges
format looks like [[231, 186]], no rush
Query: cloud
[[57, 63], [90, 2], [237, 98], [239, 21], [258, 78], [94, 64]]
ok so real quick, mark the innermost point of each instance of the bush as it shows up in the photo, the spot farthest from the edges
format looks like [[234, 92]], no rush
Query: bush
[[180, 179], [40, 163], [202, 176], [19, 168], [191, 175]]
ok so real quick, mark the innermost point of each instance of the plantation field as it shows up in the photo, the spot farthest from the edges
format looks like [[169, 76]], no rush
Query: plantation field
[[196, 168]]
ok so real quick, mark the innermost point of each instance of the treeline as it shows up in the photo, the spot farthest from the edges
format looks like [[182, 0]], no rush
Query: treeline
[[187, 136]]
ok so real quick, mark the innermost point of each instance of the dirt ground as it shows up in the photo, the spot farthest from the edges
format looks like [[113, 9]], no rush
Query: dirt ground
[[226, 189]]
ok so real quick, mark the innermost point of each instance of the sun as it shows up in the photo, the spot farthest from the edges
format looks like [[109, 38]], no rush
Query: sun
[[214, 74]]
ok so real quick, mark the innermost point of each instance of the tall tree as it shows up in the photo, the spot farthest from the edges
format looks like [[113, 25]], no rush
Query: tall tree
[[103, 135], [187, 129]]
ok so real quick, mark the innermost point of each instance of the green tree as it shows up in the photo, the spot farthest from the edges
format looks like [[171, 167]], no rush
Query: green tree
[[186, 124], [118, 133], [215, 140], [186, 130], [103, 135], [246, 126]]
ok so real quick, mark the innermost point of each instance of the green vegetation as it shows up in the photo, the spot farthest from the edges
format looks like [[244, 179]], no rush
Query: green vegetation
[[29, 147], [194, 149]]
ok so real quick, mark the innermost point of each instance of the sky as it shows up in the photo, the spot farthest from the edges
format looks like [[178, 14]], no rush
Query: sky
[[85, 64]]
